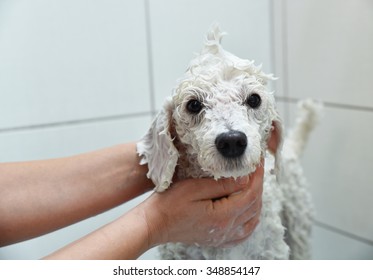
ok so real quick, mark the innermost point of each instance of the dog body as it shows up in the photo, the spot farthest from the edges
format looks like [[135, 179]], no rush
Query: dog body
[[220, 122]]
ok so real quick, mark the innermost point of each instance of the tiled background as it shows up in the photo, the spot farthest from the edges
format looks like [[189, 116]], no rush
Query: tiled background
[[80, 75]]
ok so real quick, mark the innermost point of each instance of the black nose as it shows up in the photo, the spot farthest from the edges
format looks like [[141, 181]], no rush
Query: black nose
[[231, 144]]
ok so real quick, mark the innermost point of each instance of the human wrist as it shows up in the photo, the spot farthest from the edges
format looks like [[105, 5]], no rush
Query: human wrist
[[154, 221]]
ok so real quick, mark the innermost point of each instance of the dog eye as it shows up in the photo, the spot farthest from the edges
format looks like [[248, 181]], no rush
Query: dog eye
[[194, 106], [254, 100]]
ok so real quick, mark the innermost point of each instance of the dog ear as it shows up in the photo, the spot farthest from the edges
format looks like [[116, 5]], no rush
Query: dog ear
[[158, 151], [275, 138], [274, 144]]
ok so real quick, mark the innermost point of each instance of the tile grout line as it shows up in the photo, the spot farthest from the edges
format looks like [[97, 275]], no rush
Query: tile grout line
[[328, 104], [285, 58], [277, 57], [344, 233], [149, 47], [272, 37], [73, 122], [151, 113]]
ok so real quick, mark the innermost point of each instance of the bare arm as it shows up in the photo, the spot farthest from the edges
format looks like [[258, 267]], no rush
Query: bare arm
[[38, 197], [185, 213], [41, 196], [125, 238]]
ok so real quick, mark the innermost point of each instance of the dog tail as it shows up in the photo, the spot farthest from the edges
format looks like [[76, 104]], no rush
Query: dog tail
[[308, 116]]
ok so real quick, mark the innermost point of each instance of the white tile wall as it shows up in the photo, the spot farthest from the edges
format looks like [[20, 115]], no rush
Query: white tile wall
[[331, 245], [70, 139], [67, 60], [330, 50], [324, 52], [340, 182]]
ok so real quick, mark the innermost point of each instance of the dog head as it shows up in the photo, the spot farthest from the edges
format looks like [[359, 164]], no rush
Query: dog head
[[221, 114]]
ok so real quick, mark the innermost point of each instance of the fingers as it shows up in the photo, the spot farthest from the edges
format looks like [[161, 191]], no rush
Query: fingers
[[244, 225], [259, 171], [256, 178], [250, 212], [242, 234], [207, 188], [244, 200], [232, 217], [237, 234], [248, 206], [212, 189]]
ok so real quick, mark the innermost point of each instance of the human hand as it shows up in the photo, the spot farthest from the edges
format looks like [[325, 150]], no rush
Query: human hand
[[206, 212]]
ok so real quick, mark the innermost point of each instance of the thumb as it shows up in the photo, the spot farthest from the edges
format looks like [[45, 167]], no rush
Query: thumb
[[213, 189], [259, 171]]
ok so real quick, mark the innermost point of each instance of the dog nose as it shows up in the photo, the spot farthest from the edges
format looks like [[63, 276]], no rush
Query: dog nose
[[231, 144]]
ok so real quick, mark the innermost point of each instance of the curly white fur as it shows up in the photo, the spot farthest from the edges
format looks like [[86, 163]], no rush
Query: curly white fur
[[183, 144]]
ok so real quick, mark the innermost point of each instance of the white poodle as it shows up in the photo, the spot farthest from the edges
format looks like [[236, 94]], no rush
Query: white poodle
[[219, 122]]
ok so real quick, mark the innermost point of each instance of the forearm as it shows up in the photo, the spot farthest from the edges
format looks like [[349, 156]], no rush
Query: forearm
[[125, 238], [42, 196], [188, 212]]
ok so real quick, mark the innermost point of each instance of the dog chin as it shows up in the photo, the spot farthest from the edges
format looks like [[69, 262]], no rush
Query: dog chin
[[231, 169]]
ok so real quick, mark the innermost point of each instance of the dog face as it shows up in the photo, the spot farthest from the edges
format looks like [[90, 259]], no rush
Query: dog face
[[221, 114]]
